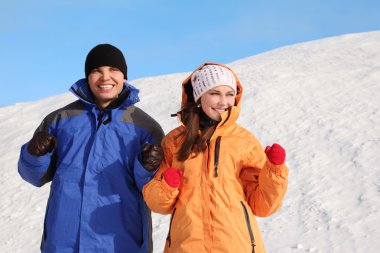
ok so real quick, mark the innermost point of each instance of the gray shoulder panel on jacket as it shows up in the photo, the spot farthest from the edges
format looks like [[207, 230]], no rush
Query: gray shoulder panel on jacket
[[138, 117], [73, 109]]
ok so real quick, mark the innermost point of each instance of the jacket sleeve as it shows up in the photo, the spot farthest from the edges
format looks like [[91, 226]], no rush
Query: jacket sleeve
[[158, 195], [264, 183], [141, 175], [37, 170], [33, 169]]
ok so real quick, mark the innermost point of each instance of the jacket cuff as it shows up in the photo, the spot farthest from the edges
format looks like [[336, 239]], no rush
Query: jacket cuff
[[142, 175], [33, 160], [278, 169], [167, 187]]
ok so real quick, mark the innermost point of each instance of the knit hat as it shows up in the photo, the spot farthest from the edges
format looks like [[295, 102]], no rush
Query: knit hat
[[209, 77], [105, 55]]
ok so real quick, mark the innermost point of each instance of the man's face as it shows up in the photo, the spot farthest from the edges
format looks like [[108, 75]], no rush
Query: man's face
[[105, 83]]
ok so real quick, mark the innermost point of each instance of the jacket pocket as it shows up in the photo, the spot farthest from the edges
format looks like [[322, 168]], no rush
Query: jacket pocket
[[168, 238], [248, 222]]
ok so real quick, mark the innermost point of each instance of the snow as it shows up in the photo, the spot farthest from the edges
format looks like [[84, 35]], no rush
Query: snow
[[319, 99]]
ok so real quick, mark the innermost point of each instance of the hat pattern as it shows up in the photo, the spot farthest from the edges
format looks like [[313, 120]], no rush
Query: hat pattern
[[209, 77]]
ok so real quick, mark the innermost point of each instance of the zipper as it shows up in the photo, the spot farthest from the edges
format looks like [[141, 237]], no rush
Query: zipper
[[249, 227], [208, 157], [216, 159], [100, 118], [168, 238]]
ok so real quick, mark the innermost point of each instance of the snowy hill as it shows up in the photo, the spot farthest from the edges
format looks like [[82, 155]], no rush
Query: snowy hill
[[319, 99]]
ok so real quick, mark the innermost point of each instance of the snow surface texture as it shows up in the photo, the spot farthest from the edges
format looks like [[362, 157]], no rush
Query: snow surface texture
[[319, 99]]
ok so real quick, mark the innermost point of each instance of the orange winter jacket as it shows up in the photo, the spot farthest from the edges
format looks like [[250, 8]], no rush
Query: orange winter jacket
[[221, 191]]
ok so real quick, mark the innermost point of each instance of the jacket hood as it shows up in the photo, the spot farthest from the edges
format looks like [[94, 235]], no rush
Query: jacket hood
[[127, 97], [227, 117]]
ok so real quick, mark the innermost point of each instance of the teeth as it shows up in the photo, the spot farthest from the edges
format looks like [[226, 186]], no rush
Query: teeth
[[220, 110], [108, 86]]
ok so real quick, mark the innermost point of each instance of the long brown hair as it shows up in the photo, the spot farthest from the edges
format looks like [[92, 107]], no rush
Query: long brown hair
[[195, 141]]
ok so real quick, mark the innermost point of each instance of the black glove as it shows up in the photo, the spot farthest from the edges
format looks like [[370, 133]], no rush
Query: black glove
[[151, 156], [41, 143]]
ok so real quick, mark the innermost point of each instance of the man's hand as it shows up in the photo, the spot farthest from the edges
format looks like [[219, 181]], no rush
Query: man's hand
[[41, 144], [151, 156]]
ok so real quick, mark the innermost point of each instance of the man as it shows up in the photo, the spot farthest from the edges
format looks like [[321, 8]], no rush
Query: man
[[95, 152]]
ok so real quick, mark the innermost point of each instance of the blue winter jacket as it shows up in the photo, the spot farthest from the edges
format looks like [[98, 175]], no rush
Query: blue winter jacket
[[95, 202]]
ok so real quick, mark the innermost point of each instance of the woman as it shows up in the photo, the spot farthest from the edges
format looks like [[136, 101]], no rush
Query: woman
[[215, 175]]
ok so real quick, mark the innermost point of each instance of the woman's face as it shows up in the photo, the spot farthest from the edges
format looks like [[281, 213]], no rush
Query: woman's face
[[105, 83], [217, 100]]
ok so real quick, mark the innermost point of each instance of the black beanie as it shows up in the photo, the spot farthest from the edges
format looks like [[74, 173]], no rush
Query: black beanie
[[105, 55]]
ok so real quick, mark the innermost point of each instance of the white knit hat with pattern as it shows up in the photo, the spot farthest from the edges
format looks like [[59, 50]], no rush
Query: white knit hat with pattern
[[209, 77]]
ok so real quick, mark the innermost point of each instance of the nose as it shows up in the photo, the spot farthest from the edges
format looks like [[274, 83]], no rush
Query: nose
[[105, 75], [223, 100]]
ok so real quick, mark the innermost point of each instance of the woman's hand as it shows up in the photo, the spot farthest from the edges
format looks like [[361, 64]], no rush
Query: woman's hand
[[276, 154], [172, 177]]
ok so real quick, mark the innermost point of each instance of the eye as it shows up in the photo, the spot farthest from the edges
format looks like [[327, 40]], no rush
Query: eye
[[115, 69], [213, 92], [95, 70]]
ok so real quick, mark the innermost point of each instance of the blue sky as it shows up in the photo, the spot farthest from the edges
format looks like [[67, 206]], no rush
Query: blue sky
[[43, 44]]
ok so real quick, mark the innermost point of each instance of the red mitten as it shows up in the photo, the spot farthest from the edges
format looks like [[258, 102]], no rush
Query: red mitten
[[172, 177], [275, 154]]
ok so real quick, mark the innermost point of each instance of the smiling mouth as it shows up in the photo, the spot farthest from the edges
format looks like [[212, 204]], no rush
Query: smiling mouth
[[220, 110], [105, 86]]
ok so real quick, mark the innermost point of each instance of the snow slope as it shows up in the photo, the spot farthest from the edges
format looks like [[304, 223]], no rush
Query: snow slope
[[320, 100]]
